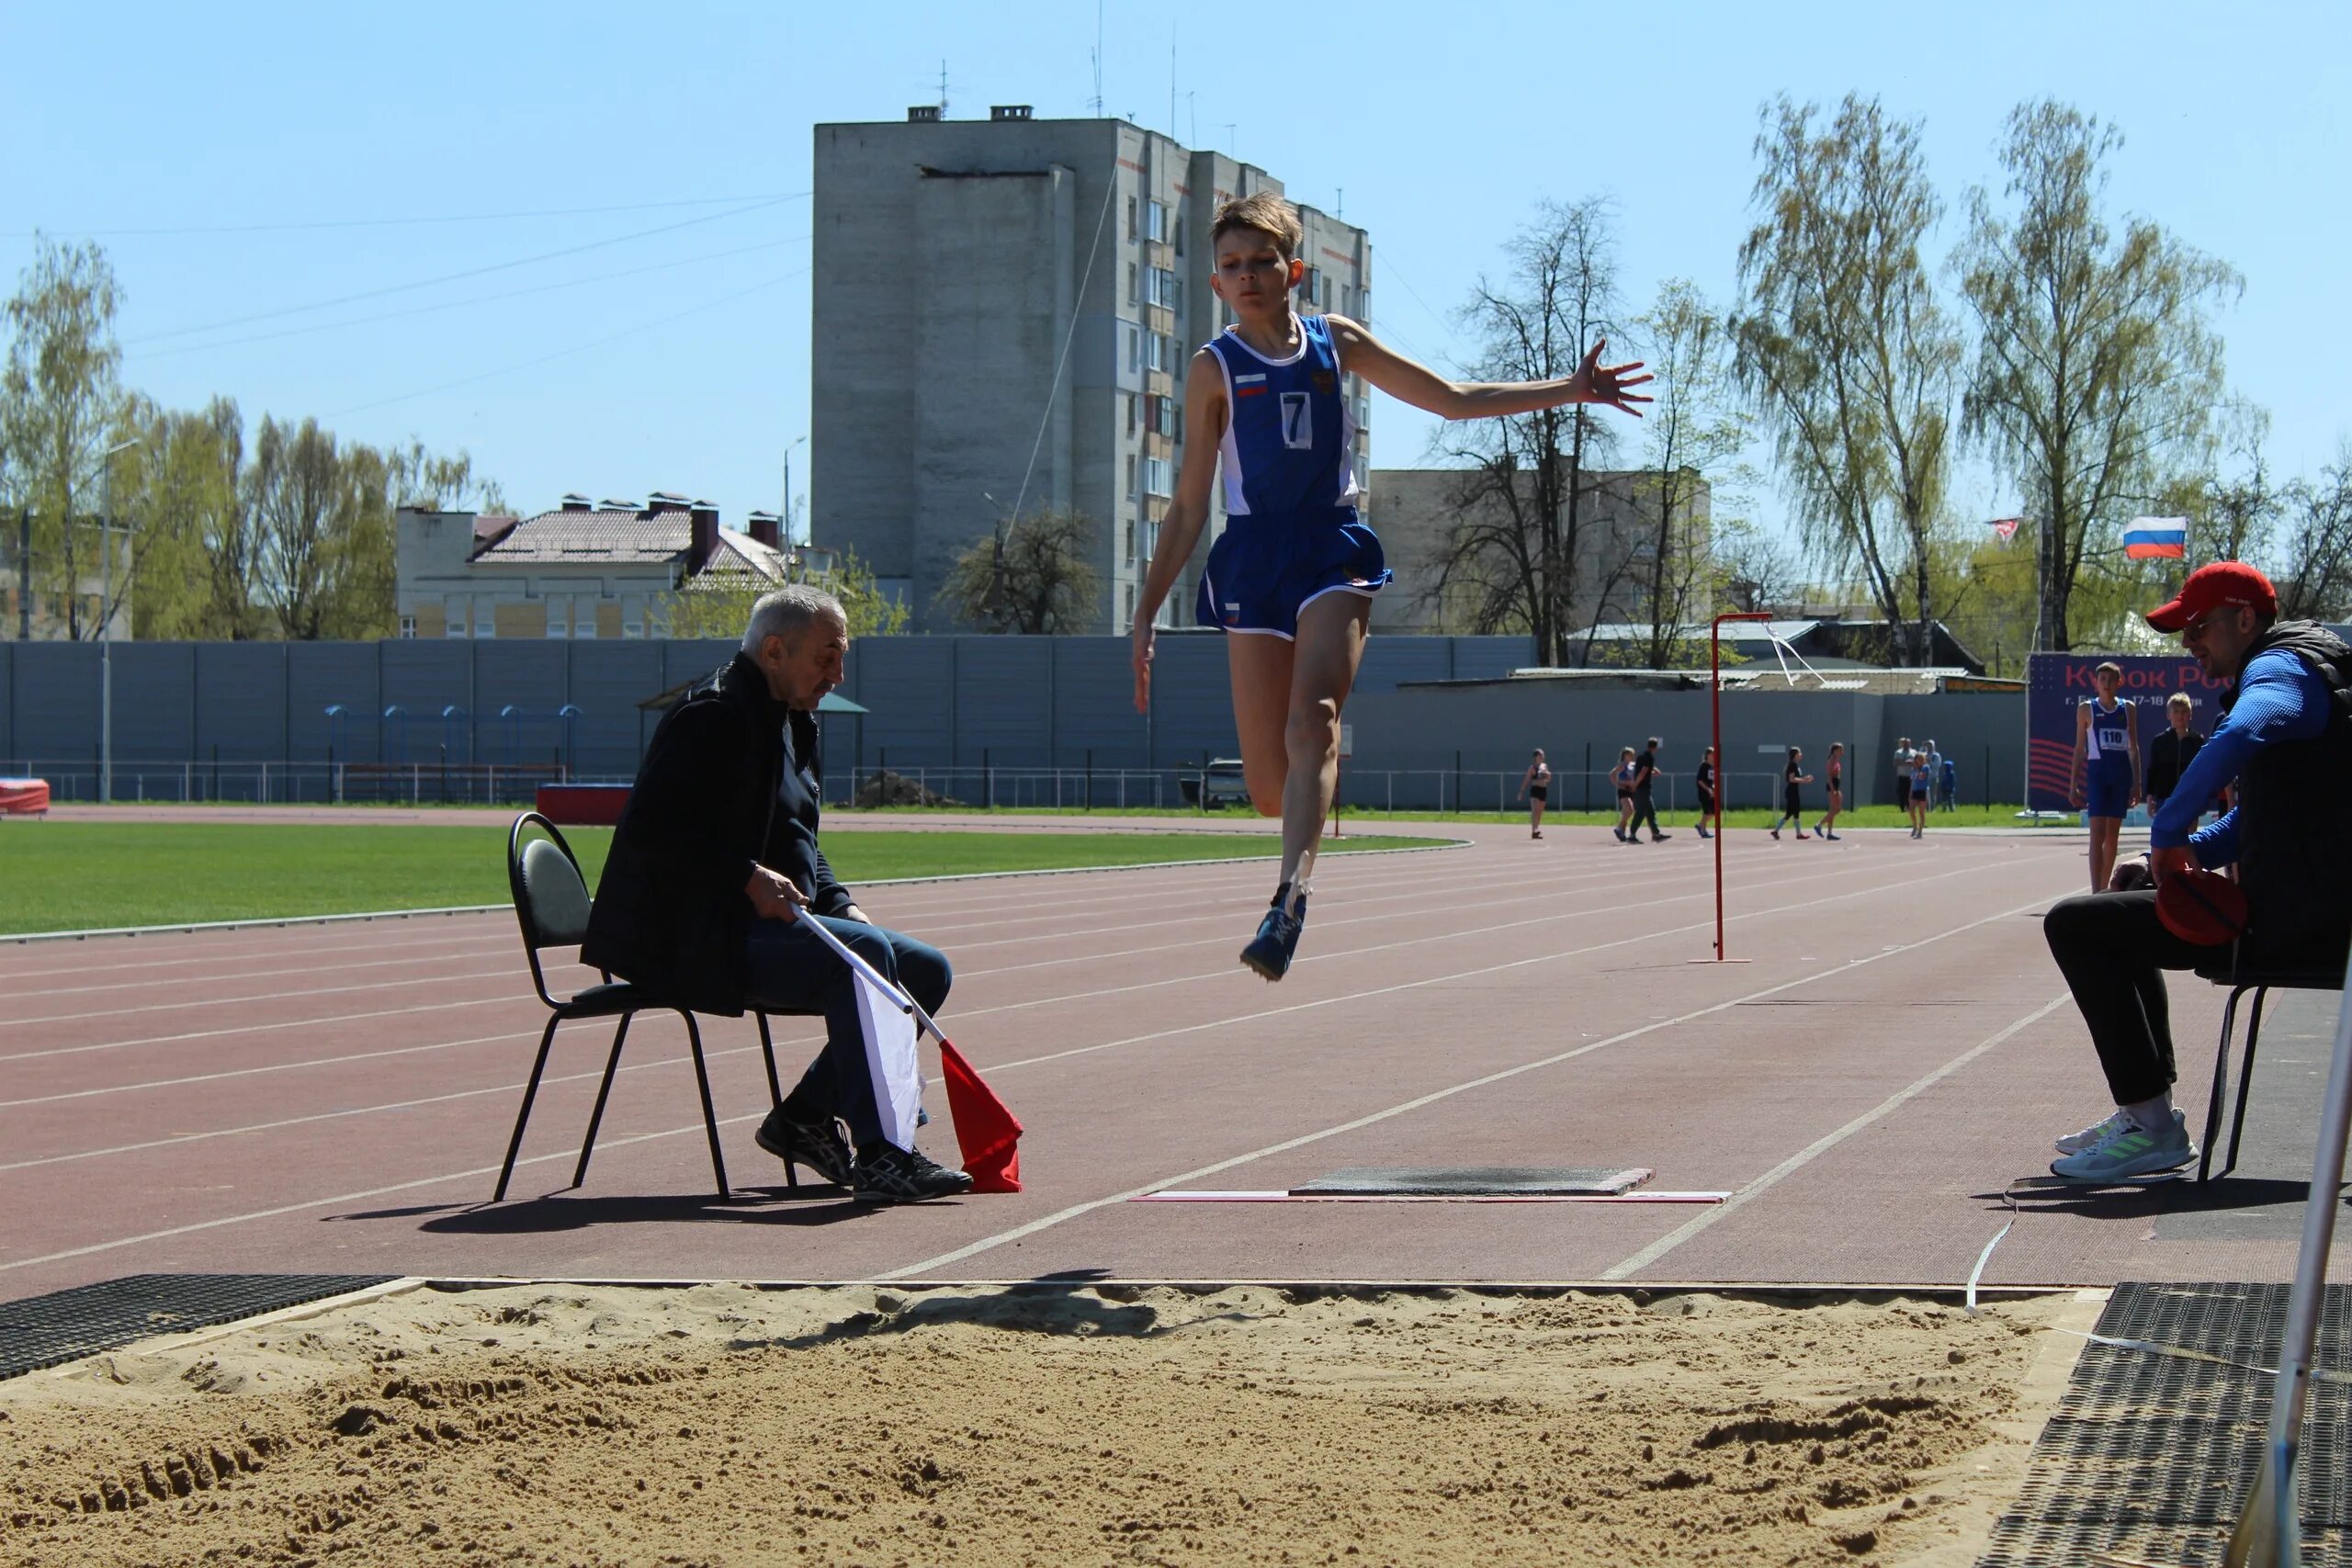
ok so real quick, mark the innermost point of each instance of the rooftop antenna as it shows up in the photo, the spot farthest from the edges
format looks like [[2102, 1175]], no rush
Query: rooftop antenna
[[1193, 110], [1098, 59], [1230, 142], [1341, 209], [942, 90], [1171, 82]]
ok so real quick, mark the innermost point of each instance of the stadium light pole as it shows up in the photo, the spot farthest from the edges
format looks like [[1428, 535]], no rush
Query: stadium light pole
[[1722, 775], [106, 622]]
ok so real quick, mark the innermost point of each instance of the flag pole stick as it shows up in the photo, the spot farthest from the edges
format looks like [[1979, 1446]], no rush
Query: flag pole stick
[[872, 976], [2269, 1533], [1723, 772]]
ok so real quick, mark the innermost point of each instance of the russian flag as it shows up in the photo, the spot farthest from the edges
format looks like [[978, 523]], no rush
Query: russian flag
[[2156, 538]]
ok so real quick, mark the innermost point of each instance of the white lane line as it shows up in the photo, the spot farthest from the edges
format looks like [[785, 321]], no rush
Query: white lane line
[[1033, 1227], [265, 1028], [268, 1068], [1822, 1146], [504, 971], [196, 1226], [679, 1061], [1076, 1210], [1781, 882], [343, 966]]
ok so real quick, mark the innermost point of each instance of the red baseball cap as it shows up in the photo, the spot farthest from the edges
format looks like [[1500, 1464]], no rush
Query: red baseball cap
[[2213, 587]]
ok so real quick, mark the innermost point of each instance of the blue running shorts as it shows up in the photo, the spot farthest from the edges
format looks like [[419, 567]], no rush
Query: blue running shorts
[[2105, 793], [1262, 571]]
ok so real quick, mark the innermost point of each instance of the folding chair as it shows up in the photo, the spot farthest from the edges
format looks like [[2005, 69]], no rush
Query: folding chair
[[2240, 977], [551, 903]]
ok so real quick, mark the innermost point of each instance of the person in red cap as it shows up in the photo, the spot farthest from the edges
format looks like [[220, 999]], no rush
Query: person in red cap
[[2286, 738]]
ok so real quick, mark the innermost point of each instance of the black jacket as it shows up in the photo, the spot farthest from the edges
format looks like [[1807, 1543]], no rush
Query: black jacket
[[2294, 836], [730, 780], [2168, 757]]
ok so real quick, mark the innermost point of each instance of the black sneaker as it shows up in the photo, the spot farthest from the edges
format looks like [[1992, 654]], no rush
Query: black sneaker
[[888, 1174], [817, 1144], [1270, 952]]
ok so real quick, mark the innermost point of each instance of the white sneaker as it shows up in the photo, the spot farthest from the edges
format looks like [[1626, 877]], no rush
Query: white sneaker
[[2129, 1154], [2098, 1133]]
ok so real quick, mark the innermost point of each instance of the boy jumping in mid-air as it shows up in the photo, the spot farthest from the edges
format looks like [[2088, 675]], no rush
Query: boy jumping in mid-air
[[1293, 572]]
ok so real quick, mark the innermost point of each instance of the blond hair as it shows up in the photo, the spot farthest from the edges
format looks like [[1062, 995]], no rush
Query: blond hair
[[1267, 213], [2181, 700]]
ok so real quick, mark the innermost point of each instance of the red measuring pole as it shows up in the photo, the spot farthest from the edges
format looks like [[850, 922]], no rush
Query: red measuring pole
[[1715, 710]]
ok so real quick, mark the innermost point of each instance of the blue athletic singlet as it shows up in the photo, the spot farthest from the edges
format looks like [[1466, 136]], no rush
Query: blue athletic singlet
[[2107, 759], [1287, 463]]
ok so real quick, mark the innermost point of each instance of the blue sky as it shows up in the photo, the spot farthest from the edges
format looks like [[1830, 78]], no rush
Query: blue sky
[[1437, 129]]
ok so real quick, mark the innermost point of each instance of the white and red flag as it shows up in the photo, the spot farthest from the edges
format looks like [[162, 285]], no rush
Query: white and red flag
[[2007, 528]]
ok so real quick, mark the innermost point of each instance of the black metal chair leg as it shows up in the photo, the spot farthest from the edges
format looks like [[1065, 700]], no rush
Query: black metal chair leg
[[2245, 1076], [709, 1116], [2221, 1083], [597, 1116], [530, 1090], [767, 1049]]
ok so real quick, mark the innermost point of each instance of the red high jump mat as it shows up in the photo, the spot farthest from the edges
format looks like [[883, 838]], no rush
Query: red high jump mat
[[24, 798]]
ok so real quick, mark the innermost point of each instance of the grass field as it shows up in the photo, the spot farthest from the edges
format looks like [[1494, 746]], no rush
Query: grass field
[[86, 875]]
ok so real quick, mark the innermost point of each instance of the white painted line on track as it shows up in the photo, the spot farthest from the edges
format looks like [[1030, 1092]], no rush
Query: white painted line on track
[[1090, 1206], [680, 1061], [504, 971], [1822, 1146], [1075, 1211], [1224, 972], [260, 1028]]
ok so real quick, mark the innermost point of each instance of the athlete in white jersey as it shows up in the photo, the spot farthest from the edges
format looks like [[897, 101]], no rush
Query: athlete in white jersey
[[1293, 575]]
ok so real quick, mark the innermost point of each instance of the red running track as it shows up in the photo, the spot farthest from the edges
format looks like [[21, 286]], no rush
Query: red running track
[[336, 1097]]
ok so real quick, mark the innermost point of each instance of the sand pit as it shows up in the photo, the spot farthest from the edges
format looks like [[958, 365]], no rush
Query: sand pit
[[725, 1424]]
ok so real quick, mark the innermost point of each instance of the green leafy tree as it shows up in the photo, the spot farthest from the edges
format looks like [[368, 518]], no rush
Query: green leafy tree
[[197, 549], [1032, 575], [1845, 349], [61, 407], [2097, 367], [1694, 433], [1512, 557], [719, 604], [323, 515]]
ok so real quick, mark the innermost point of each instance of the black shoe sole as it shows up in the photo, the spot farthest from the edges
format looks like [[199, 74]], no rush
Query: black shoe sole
[[1268, 975], [798, 1153], [867, 1195]]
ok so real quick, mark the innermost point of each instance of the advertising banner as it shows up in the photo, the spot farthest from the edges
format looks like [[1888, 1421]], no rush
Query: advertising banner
[[2058, 683]]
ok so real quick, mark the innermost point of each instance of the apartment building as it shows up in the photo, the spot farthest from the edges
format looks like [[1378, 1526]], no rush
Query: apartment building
[[1003, 311]]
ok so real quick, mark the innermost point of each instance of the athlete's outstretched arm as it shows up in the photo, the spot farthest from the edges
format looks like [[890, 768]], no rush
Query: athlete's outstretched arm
[[1188, 510], [1362, 355]]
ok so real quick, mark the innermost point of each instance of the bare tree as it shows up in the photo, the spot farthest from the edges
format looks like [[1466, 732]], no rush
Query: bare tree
[[2096, 364], [322, 514], [1514, 555], [2316, 576], [1758, 571], [1029, 575], [1842, 344]]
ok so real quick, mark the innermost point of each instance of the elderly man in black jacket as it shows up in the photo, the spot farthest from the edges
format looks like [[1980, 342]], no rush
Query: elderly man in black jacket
[[716, 852]]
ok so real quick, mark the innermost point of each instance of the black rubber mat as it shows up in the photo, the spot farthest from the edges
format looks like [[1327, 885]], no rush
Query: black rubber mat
[[1470, 1181], [48, 1331], [2150, 1456]]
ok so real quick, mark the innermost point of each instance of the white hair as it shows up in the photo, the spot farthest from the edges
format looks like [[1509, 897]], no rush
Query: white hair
[[786, 610]]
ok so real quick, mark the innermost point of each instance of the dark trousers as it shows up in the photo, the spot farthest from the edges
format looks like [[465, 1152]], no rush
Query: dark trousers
[[2113, 951], [792, 971], [1644, 809]]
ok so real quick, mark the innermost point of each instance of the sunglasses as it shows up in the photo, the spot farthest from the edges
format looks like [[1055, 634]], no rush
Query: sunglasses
[[2195, 630]]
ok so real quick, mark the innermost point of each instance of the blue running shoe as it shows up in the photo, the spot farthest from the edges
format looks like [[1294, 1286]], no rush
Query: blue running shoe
[[1269, 953]]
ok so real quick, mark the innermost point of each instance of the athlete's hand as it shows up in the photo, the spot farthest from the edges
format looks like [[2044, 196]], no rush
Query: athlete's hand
[[2076, 798], [2167, 862], [1596, 383], [1142, 658]]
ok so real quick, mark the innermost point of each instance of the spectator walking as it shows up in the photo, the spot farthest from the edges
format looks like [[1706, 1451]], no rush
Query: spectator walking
[[1624, 777], [1645, 802], [1836, 772], [1706, 781], [1948, 784], [1791, 797], [1535, 788]]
